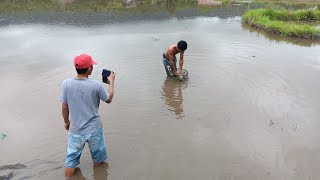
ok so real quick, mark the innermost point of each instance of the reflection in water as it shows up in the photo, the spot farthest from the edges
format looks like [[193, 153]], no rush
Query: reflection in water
[[277, 38], [172, 95]]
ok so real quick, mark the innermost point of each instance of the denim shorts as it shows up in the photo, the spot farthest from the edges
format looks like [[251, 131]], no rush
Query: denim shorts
[[76, 144]]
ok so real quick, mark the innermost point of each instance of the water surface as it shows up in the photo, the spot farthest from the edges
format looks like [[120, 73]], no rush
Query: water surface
[[249, 110]]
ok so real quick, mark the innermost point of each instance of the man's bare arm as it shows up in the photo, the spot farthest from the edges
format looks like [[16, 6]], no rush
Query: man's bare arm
[[111, 92], [171, 61], [111, 87], [181, 63], [65, 115]]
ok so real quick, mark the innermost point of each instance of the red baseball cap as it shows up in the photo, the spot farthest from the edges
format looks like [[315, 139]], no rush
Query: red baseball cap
[[83, 61]]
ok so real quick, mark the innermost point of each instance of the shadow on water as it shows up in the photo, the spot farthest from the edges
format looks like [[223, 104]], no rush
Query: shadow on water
[[277, 38], [173, 96]]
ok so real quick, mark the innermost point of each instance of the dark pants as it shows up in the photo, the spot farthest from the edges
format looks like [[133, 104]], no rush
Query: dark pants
[[167, 66]]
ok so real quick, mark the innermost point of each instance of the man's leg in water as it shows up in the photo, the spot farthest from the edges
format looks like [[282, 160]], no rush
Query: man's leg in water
[[69, 172], [75, 147], [97, 147]]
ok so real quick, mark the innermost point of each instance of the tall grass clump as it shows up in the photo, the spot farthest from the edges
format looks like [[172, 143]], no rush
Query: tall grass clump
[[284, 22]]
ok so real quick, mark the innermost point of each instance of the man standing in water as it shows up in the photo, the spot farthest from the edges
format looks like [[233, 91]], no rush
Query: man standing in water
[[80, 96], [170, 60]]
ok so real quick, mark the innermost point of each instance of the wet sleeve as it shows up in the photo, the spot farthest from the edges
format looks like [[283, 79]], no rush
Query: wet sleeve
[[63, 94], [103, 94]]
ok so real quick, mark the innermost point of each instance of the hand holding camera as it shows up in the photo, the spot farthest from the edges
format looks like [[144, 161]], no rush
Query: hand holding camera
[[108, 76]]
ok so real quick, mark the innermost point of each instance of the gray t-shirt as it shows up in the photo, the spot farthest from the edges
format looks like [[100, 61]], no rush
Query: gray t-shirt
[[83, 98]]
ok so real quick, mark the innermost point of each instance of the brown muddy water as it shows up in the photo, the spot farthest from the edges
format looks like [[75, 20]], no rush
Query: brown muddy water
[[249, 110]]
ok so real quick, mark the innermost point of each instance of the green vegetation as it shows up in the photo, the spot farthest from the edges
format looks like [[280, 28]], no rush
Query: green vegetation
[[138, 6], [284, 22], [226, 2], [283, 39], [16, 6]]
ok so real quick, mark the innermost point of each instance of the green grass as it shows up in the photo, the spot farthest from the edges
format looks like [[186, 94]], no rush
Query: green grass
[[9, 6], [284, 22]]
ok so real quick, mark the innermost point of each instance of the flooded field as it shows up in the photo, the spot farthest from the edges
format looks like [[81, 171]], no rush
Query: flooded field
[[249, 110]]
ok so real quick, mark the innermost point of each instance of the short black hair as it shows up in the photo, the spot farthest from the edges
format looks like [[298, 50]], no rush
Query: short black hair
[[82, 71], [182, 45]]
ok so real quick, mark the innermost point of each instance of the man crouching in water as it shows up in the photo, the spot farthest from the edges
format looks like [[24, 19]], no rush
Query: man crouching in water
[[170, 60]]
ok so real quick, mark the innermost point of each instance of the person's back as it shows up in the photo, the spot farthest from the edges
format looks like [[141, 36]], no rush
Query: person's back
[[83, 96], [80, 97], [172, 50]]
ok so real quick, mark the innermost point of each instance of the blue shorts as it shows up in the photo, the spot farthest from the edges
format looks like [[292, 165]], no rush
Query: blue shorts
[[76, 144]]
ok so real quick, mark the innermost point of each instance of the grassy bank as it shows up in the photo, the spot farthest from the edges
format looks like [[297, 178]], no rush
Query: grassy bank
[[10, 6], [284, 22]]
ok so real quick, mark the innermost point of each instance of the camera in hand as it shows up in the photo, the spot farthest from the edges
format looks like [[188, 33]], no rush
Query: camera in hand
[[105, 75]]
